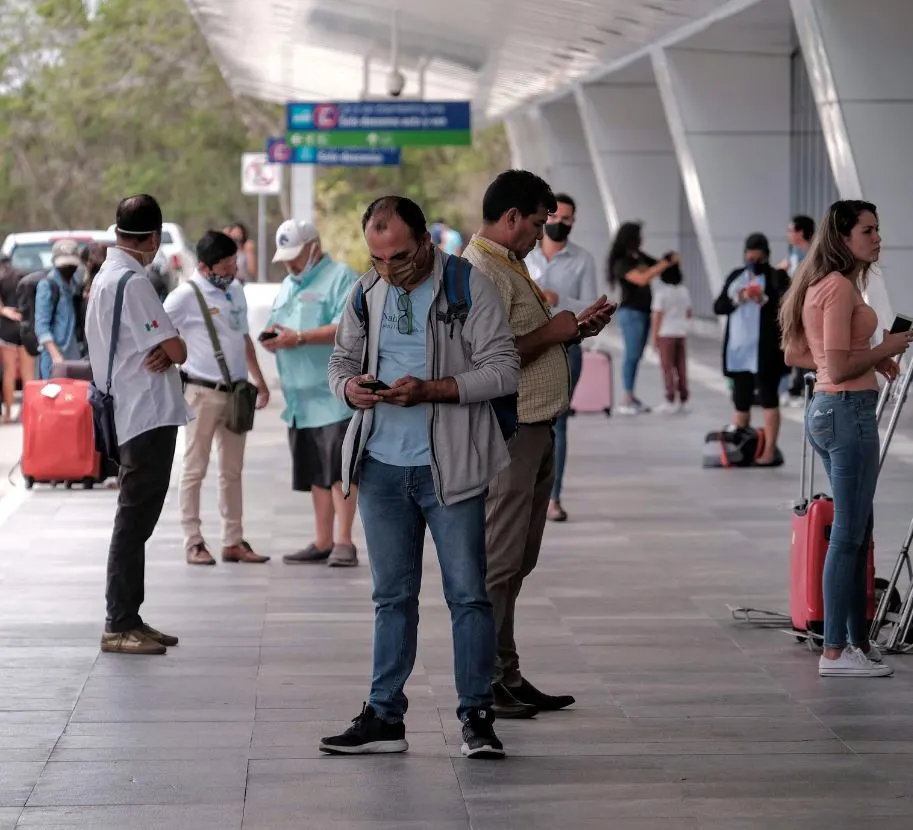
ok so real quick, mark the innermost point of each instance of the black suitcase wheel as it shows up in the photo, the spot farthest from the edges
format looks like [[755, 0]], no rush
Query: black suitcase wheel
[[29, 482], [608, 411], [88, 483]]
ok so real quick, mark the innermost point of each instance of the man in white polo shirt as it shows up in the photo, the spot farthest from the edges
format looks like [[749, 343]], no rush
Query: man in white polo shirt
[[148, 409], [215, 283]]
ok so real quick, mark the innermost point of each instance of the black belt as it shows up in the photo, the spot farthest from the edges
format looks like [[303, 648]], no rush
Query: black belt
[[218, 386]]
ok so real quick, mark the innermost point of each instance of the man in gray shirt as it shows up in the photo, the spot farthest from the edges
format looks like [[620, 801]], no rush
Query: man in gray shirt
[[566, 273]]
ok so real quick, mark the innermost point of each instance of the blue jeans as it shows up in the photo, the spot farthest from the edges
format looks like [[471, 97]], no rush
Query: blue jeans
[[396, 505], [575, 361], [635, 329], [843, 430]]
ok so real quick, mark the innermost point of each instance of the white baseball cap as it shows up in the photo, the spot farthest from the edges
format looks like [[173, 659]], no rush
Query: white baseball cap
[[291, 238]]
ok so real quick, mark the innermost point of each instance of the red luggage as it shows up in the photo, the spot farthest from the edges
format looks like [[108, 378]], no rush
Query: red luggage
[[813, 517], [58, 434], [594, 389]]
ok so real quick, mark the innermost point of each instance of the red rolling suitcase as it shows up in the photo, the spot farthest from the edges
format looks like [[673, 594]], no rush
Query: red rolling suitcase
[[58, 434], [594, 389], [813, 517]]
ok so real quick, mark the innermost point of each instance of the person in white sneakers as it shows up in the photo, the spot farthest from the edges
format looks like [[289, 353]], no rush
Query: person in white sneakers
[[671, 313], [827, 324]]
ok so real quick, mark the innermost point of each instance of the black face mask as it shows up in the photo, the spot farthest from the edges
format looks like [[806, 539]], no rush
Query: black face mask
[[67, 271], [557, 231]]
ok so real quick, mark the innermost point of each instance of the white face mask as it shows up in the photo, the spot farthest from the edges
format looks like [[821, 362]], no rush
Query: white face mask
[[145, 258], [308, 266]]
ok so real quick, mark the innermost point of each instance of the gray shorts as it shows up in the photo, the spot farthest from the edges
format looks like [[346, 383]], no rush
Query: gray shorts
[[317, 455]]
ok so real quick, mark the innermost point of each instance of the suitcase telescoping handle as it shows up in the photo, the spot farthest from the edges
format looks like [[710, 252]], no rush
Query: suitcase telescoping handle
[[806, 472]]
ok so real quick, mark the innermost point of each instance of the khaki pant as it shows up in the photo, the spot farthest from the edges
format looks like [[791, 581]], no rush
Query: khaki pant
[[515, 512], [209, 406]]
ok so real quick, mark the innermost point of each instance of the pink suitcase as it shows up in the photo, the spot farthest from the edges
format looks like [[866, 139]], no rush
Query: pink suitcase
[[594, 389]]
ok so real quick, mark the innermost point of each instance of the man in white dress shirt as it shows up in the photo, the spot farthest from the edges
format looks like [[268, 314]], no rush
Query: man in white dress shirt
[[208, 394], [148, 409]]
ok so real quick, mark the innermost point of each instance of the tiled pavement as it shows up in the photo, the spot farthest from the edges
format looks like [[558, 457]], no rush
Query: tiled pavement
[[685, 720]]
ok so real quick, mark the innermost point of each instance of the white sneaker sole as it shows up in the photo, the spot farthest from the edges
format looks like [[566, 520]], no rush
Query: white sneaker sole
[[482, 753], [878, 670], [374, 748]]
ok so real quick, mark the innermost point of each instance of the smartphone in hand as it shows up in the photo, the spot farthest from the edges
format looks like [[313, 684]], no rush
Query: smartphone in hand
[[901, 324], [267, 335], [374, 385]]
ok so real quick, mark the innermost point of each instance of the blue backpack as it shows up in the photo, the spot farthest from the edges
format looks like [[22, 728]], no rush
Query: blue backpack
[[459, 302]]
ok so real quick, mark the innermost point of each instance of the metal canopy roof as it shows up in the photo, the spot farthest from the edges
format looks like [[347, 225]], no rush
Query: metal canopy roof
[[496, 53]]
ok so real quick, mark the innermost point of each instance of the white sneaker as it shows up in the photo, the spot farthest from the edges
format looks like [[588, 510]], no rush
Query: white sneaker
[[668, 408], [628, 409], [874, 654], [852, 663], [684, 409]]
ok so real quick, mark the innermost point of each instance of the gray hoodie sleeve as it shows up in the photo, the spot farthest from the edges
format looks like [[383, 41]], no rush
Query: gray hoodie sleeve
[[493, 351], [345, 362]]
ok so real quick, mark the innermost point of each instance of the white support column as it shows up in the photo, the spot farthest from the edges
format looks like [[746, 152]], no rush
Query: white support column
[[524, 135], [729, 116], [634, 158], [861, 69], [570, 170], [302, 192]]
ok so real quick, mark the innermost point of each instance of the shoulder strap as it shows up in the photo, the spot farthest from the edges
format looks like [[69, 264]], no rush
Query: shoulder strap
[[115, 326], [456, 287], [213, 335], [358, 303]]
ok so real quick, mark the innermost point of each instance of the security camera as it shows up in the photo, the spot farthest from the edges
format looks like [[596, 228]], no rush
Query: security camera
[[396, 82]]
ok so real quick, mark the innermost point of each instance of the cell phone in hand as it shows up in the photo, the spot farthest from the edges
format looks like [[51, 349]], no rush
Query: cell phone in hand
[[267, 335], [902, 324], [374, 385]]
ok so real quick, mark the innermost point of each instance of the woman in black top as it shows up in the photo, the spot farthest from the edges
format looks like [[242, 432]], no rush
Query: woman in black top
[[10, 340], [752, 356], [634, 271]]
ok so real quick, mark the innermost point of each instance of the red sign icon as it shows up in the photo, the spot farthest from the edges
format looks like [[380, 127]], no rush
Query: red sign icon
[[326, 116]]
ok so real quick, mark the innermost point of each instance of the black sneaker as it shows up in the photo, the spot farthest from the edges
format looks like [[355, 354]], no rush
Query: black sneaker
[[479, 739], [368, 735]]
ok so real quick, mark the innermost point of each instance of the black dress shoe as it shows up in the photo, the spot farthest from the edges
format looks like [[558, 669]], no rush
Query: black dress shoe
[[531, 696], [507, 706]]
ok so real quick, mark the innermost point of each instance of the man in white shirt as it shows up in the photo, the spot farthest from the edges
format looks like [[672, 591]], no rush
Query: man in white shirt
[[215, 281], [148, 409]]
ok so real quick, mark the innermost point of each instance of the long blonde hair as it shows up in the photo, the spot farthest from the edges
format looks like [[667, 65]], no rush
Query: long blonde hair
[[828, 253]]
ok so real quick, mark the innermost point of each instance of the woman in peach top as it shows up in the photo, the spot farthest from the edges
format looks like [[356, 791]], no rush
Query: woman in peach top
[[826, 323]]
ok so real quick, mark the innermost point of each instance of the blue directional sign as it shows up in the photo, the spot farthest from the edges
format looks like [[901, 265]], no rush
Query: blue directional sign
[[279, 152], [383, 116], [378, 124]]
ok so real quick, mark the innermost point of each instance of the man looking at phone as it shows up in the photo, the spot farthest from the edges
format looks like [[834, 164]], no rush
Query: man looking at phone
[[426, 447], [515, 210], [214, 285], [301, 331]]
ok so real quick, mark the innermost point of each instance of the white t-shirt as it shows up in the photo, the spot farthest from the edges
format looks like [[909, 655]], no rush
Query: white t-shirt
[[673, 301], [143, 400], [228, 310]]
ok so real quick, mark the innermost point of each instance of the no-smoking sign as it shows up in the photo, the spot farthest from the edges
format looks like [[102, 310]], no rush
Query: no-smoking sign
[[259, 177]]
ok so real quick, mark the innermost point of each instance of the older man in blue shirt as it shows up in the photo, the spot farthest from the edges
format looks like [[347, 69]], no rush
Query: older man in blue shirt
[[566, 273], [55, 308], [301, 332]]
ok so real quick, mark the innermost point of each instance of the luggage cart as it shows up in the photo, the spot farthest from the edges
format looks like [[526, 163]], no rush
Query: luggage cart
[[894, 616], [884, 589]]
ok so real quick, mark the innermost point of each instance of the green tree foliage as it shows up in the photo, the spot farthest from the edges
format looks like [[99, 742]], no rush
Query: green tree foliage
[[133, 101]]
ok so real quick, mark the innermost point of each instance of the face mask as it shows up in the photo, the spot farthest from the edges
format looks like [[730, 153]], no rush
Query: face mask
[[220, 282], [308, 266], [406, 274], [144, 258], [67, 271], [557, 231], [754, 267]]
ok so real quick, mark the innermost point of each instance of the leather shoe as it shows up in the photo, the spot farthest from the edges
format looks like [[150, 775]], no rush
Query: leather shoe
[[530, 695], [243, 553], [198, 555], [157, 636], [507, 706]]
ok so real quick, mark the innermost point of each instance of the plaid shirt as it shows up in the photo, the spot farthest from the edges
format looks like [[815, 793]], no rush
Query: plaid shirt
[[544, 383]]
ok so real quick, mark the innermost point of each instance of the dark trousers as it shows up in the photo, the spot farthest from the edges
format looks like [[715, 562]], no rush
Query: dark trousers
[[145, 472], [575, 361], [672, 356]]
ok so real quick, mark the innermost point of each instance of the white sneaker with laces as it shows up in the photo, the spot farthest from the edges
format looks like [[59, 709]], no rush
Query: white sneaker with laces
[[628, 409], [668, 408], [852, 663]]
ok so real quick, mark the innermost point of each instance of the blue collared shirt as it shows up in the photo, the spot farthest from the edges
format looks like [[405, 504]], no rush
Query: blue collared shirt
[[311, 302], [571, 274]]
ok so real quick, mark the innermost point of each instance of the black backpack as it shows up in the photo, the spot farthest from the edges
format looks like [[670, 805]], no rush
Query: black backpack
[[26, 292], [733, 447]]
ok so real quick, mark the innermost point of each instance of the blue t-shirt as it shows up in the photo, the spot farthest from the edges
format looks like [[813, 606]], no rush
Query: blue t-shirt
[[399, 435]]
